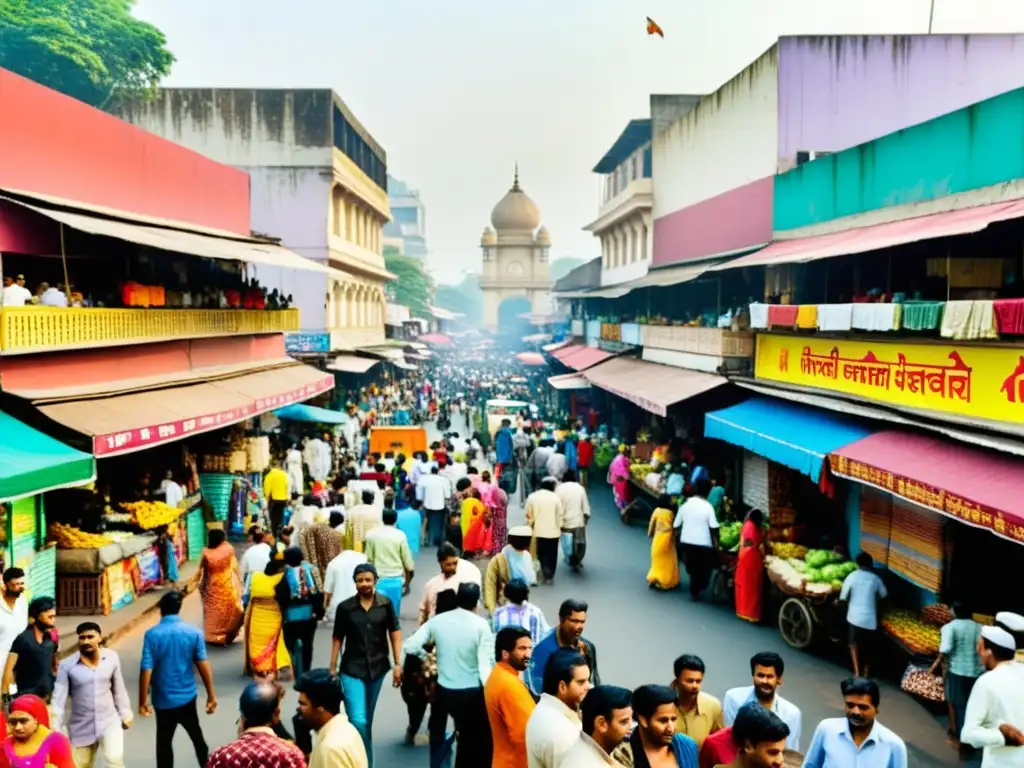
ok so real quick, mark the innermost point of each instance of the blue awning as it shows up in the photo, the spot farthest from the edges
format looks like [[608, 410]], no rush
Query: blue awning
[[311, 414], [791, 435]]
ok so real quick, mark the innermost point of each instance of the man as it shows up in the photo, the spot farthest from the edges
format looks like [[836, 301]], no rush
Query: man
[[454, 571], [515, 556], [700, 713], [362, 519], [994, 720], [301, 604], [572, 618], [170, 650], [655, 737], [503, 448], [32, 662], [432, 491], [577, 515], [555, 727], [607, 721], [257, 555], [858, 738], [960, 664], [15, 294], [537, 463], [767, 669], [761, 738], [366, 627], [584, 459], [339, 580], [276, 490], [861, 591], [13, 612], [546, 515], [173, 492], [257, 744], [337, 743], [100, 710], [411, 524], [519, 612], [698, 535], [317, 456], [387, 549], [465, 655], [509, 703]]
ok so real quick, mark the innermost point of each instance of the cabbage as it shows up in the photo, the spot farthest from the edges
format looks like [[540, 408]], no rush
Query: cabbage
[[837, 586], [832, 572], [813, 574], [816, 558]]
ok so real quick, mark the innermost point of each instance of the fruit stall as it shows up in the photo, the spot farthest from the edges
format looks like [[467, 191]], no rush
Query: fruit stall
[[807, 583]]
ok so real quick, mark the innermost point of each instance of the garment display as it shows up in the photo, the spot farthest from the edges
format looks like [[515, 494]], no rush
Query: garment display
[[758, 315], [835, 317], [876, 317], [969, 320]]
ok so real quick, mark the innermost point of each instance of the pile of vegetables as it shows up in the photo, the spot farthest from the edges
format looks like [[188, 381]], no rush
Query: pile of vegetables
[[820, 570], [822, 566], [603, 455], [729, 535]]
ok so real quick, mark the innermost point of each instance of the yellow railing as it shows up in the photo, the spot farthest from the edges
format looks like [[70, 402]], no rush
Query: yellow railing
[[45, 329]]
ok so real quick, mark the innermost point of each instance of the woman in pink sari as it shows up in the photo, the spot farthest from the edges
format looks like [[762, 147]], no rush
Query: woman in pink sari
[[498, 505], [750, 568], [618, 478]]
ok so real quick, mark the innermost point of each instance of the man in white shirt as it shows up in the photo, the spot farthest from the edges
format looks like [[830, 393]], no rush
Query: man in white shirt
[[995, 711], [339, 580], [546, 515], [607, 722], [15, 294], [861, 591], [13, 611], [53, 297], [173, 493], [767, 669], [698, 534], [576, 504], [257, 556], [555, 726], [432, 491]]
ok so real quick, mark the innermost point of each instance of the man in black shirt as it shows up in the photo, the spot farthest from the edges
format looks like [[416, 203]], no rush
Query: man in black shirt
[[32, 663]]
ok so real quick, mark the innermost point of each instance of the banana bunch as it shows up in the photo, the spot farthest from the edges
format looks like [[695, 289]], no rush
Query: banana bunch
[[787, 551], [69, 537], [151, 514]]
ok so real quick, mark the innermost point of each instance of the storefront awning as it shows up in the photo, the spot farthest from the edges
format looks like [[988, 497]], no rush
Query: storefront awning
[[569, 381], [611, 292], [652, 386], [580, 358], [125, 423], [385, 353], [351, 364], [311, 414], [663, 278], [404, 366], [531, 358], [872, 238], [799, 438], [437, 339], [974, 486], [551, 348], [32, 463]]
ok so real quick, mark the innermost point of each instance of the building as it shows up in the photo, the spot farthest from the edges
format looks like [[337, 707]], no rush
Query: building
[[318, 180], [407, 230], [515, 251]]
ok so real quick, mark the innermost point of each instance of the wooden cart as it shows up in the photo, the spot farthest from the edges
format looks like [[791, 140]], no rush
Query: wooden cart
[[804, 616]]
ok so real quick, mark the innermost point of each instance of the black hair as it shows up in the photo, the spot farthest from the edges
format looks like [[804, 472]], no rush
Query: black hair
[[561, 668], [321, 688], [960, 610], [757, 725], [571, 606], [369, 496], [388, 515], [293, 557], [13, 573], [462, 484], [864, 560], [447, 600], [445, 551], [256, 533], [687, 661], [602, 701], [469, 595], [702, 487], [170, 603], [89, 626], [1000, 653], [215, 538], [569, 476], [258, 704], [507, 639], [364, 568], [336, 519], [516, 591], [378, 467], [768, 659], [647, 699], [665, 502], [861, 686]]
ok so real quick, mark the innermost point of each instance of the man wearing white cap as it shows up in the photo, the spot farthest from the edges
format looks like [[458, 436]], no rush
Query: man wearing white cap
[[995, 711], [1014, 624]]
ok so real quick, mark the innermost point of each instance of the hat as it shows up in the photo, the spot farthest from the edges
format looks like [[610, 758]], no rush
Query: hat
[[20, 277], [34, 706], [1013, 622], [1000, 637], [520, 530]]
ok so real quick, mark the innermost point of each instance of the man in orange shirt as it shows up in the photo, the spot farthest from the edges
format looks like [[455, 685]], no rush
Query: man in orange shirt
[[509, 702]]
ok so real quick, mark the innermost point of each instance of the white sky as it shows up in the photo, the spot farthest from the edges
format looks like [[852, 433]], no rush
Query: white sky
[[457, 91]]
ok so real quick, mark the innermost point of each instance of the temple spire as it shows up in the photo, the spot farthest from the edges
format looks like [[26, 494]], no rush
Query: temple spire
[[515, 183]]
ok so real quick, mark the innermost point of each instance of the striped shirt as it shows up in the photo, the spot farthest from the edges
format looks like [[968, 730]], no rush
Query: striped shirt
[[528, 616]]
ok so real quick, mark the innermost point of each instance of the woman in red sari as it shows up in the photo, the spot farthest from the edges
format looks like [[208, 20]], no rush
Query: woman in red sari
[[750, 568]]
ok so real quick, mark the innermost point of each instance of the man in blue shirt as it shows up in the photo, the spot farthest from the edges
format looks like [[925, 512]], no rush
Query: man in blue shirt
[[503, 444], [858, 740], [862, 591], [169, 652]]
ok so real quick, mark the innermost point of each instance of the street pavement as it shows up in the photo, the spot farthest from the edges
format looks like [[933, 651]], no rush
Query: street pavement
[[638, 633]]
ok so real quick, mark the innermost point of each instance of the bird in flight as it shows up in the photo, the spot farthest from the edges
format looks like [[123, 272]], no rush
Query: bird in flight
[[653, 28]]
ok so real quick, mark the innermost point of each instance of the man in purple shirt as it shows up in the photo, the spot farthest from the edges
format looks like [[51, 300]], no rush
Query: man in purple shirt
[[100, 709]]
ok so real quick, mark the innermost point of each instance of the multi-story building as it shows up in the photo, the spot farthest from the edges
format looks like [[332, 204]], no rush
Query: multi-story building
[[408, 225], [318, 181]]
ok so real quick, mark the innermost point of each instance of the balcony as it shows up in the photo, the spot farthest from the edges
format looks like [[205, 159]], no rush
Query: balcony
[[636, 197], [26, 330], [714, 342]]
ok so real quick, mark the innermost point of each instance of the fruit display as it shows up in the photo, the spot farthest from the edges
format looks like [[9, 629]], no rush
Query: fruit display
[[729, 535], [640, 471], [151, 514], [69, 537], [908, 627], [787, 551], [937, 614]]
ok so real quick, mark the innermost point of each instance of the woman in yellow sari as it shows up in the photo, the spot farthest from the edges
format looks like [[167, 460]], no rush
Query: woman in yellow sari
[[473, 509], [664, 573], [221, 587], [265, 653]]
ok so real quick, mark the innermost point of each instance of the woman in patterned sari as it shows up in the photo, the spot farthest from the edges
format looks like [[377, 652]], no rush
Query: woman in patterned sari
[[221, 586], [265, 653], [618, 478], [499, 519]]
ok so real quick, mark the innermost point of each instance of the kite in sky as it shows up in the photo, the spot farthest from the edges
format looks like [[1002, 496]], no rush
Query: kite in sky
[[653, 28]]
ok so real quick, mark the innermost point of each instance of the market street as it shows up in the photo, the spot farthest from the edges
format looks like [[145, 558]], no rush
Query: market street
[[638, 633]]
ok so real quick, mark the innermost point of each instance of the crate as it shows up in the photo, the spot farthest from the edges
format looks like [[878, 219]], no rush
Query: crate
[[80, 595]]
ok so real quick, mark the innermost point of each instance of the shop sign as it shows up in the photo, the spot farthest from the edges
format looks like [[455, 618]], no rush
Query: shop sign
[[979, 382], [611, 332], [995, 520], [135, 439], [307, 343]]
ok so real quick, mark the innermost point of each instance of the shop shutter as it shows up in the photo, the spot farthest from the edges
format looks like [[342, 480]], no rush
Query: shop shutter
[[195, 529], [755, 481], [875, 523], [41, 576], [916, 546]]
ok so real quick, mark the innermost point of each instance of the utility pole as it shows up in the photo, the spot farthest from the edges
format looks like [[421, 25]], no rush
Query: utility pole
[[931, 16]]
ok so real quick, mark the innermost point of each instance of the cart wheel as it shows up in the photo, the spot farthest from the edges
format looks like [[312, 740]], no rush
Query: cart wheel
[[795, 623], [722, 588]]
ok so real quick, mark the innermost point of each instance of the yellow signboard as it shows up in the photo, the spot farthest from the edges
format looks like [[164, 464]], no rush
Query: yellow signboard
[[981, 382]]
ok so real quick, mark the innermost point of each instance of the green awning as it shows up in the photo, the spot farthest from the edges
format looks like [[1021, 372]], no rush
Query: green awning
[[31, 462]]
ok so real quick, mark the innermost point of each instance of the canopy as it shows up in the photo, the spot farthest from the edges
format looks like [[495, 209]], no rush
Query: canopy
[[652, 386], [351, 364], [311, 414], [579, 356], [556, 345], [438, 339], [531, 358], [972, 485], [569, 381], [796, 437], [404, 366], [32, 463]]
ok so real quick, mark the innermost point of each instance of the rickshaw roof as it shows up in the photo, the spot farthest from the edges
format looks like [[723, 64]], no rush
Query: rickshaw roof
[[507, 404]]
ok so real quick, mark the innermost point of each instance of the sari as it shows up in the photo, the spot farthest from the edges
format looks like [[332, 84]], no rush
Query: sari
[[476, 536], [221, 589], [472, 510], [664, 573], [265, 651], [618, 476], [499, 519], [319, 544], [749, 574]]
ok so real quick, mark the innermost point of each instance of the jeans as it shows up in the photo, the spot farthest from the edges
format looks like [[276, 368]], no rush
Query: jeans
[[276, 511], [435, 527], [391, 587], [110, 744], [294, 632], [360, 702], [167, 722], [469, 711]]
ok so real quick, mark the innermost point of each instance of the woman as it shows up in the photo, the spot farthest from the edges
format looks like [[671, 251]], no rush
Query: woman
[[293, 466], [475, 524], [499, 519], [220, 584], [31, 743], [618, 478], [664, 573], [265, 653], [750, 568]]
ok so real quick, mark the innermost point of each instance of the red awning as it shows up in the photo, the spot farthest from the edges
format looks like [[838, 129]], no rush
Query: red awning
[[531, 358], [569, 381], [872, 238], [580, 357], [438, 339], [560, 353], [652, 386], [974, 486]]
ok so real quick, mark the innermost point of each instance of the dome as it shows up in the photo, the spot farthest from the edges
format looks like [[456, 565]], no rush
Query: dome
[[488, 237], [515, 211], [543, 236]]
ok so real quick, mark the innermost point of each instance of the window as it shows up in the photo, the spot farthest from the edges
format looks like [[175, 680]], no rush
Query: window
[[488, 254], [544, 255], [647, 163], [348, 141]]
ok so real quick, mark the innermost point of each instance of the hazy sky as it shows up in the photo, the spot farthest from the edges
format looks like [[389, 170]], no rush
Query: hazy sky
[[457, 91]]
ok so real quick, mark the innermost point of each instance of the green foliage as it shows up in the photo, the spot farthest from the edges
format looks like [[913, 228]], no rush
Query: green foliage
[[414, 288], [466, 298], [92, 50]]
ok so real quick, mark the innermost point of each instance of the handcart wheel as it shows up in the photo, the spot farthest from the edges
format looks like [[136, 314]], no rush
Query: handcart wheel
[[722, 587], [795, 623]]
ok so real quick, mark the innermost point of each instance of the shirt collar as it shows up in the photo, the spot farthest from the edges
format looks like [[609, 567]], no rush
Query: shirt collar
[[258, 730], [597, 748], [76, 657], [172, 619], [696, 703], [557, 704], [872, 737]]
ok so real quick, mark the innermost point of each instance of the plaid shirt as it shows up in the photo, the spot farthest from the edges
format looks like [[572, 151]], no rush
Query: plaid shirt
[[528, 616], [257, 746]]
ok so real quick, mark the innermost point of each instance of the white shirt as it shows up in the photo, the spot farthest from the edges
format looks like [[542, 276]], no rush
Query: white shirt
[[255, 559], [339, 581], [15, 295], [862, 590], [695, 519], [12, 623], [435, 491], [788, 712], [53, 298], [997, 698], [552, 730], [587, 753], [173, 493], [575, 502]]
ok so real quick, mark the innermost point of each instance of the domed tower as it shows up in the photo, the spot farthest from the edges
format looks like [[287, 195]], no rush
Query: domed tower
[[515, 250]]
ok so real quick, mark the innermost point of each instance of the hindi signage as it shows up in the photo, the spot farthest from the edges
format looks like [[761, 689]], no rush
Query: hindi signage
[[307, 343]]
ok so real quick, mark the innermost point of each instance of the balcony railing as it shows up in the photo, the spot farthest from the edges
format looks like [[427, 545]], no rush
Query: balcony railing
[[25, 330], [716, 342]]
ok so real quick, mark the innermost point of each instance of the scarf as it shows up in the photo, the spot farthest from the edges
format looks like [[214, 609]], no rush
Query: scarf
[[520, 564]]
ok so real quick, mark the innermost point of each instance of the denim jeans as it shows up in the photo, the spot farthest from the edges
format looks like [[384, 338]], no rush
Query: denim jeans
[[360, 702], [435, 527], [391, 587]]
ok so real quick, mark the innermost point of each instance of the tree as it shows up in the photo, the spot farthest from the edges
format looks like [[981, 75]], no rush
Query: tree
[[414, 288], [93, 50], [559, 268], [466, 299]]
